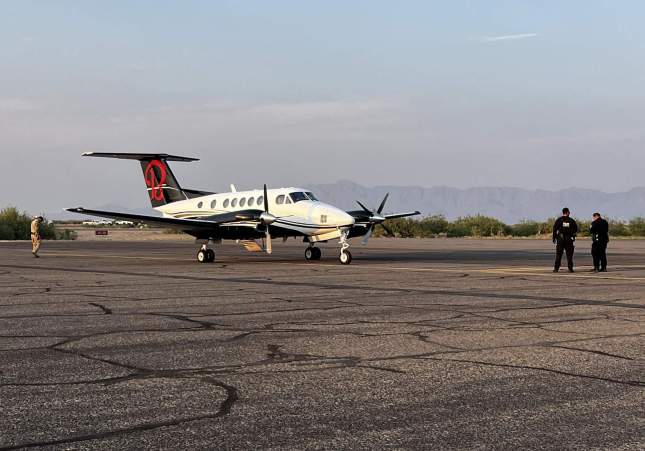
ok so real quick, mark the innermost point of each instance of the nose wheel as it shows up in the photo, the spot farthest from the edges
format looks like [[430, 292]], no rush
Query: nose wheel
[[345, 257], [312, 253], [206, 255]]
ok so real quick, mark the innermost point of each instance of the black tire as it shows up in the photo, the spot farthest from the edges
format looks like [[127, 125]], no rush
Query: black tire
[[345, 258], [317, 253], [310, 253], [202, 256], [211, 255]]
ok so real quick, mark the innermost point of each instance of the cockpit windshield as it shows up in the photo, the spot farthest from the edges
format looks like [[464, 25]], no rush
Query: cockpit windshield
[[298, 196]]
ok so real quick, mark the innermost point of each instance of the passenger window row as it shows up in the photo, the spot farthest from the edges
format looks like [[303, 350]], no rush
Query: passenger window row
[[249, 202], [259, 202]]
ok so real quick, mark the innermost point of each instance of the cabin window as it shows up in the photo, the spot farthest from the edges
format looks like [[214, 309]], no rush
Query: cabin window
[[287, 200], [234, 203], [297, 197], [225, 203], [280, 199], [260, 200], [251, 200], [323, 219], [200, 205], [311, 196], [242, 201], [213, 203]]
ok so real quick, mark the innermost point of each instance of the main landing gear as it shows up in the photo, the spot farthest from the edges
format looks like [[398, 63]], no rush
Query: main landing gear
[[205, 255], [312, 253]]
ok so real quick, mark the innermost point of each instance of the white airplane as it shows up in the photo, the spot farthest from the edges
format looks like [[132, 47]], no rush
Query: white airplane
[[245, 216]]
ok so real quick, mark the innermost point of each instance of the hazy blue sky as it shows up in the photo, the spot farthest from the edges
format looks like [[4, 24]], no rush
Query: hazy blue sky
[[534, 94]]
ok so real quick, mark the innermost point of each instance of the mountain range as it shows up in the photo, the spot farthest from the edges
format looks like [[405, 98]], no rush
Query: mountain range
[[510, 205]]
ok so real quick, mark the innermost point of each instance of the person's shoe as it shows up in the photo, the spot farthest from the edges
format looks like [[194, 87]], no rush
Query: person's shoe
[[603, 270], [594, 270], [555, 270], [571, 270], [36, 255]]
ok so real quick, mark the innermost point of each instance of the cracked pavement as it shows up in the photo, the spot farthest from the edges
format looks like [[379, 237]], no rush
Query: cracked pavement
[[418, 344]]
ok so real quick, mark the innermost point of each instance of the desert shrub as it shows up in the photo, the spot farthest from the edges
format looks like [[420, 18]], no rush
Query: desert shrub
[[618, 228], [479, 225], [433, 226], [457, 230], [637, 226], [526, 228]]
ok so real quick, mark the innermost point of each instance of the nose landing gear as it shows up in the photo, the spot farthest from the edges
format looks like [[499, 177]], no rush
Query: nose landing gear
[[345, 256]]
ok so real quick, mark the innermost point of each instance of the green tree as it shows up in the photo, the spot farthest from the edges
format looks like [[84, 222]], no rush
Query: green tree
[[15, 225]]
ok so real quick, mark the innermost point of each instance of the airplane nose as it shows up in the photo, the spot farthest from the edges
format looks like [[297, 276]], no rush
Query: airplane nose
[[348, 219], [335, 216], [341, 218]]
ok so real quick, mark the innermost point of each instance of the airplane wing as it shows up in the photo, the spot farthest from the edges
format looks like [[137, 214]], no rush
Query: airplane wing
[[196, 225]]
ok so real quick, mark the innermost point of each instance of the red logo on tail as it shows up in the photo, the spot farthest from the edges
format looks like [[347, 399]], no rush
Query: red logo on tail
[[155, 175]]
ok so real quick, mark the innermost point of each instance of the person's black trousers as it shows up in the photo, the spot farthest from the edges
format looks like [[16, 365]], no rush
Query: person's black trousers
[[599, 254], [560, 249]]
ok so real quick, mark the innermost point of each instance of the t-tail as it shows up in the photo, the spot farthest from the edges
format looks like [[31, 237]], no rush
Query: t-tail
[[163, 187]]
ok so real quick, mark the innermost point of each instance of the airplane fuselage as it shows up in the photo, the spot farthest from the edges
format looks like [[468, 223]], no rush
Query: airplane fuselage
[[297, 212]]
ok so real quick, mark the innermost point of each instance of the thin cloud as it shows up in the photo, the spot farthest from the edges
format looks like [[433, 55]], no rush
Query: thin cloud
[[509, 37]]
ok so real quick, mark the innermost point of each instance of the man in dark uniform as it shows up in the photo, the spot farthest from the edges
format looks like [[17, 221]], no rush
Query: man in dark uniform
[[564, 235], [600, 237]]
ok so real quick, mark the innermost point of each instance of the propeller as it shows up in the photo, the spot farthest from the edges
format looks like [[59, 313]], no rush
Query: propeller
[[375, 218], [266, 219]]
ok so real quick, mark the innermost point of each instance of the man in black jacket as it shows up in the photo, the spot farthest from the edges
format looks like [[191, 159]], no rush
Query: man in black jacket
[[600, 237], [564, 235]]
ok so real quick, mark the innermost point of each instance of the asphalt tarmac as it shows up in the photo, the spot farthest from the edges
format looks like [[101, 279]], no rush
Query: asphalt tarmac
[[418, 344]]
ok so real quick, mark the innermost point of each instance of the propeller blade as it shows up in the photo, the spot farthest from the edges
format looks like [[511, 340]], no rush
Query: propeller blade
[[380, 208], [266, 199], [269, 247], [389, 232], [367, 210], [368, 234]]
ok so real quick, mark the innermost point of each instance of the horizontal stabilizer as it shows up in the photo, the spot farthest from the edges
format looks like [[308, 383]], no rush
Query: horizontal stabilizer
[[139, 156]]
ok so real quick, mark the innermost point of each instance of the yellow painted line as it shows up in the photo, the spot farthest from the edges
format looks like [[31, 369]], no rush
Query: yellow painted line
[[500, 271]]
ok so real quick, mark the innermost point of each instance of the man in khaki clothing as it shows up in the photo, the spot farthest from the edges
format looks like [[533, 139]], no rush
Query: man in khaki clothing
[[35, 235]]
